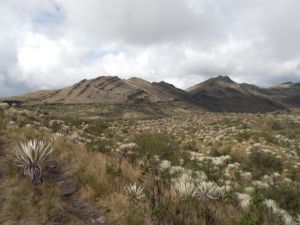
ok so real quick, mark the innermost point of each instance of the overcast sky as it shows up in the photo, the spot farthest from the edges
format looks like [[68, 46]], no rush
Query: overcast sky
[[50, 44]]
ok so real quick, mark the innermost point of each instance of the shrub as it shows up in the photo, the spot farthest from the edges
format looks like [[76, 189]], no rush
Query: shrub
[[256, 212], [158, 144], [96, 127], [287, 195], [216, 152], [99, 145], [260, 164], [2, 120], [256, 136], [274, 124]]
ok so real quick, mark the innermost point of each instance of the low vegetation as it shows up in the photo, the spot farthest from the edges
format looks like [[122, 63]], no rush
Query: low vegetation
[[195, 168]]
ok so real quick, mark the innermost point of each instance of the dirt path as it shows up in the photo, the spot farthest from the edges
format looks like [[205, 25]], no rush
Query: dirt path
[[2, 146], [79, 207]]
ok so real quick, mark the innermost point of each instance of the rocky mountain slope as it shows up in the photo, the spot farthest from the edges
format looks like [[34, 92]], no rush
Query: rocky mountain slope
[[287, 94], [223, 94], [216, 94], [106, 89]]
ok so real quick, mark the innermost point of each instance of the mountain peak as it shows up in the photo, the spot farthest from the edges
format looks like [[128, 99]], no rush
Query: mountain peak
[[224, 78], [213, 83]]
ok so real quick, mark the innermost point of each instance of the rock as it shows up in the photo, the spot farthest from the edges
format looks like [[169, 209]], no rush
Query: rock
[[80, 204], [68, 191], [100, 220]]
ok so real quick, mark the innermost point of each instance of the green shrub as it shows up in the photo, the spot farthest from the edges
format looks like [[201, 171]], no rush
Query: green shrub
[[213, 172], [96, 127], [275, 124], [215, 152], [260, 164], [286, 195], [190, 145], [99, 145], [158, 144], [256, 212], [2, 120], [256, 136]]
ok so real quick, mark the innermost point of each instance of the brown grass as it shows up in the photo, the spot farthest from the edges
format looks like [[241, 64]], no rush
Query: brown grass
[[38, 204], [103, 190]]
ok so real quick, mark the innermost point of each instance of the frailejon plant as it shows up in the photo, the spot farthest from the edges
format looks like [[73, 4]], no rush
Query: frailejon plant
[[30, 157], [134, 192]]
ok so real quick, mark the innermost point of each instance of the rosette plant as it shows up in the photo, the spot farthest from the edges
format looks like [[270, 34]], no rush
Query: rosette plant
[[134, 192], [30, 157]]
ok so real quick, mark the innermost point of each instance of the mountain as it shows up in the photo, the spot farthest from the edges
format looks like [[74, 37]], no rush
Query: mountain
[[105, 89], [223, 94], [287, 94], [217, 94]]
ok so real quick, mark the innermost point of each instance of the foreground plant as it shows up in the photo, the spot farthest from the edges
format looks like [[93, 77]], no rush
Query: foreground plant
[[134, 192], [184, 187], [207, 191], [30, 157]]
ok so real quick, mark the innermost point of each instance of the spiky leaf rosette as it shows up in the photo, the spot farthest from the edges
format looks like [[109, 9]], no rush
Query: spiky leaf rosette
[[134, 192], [206, 191], [29, 157]]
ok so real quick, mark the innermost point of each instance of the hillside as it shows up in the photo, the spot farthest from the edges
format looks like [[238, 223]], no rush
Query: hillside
[[209, 168], [105, 89], [288, 94], [217, 94], [223, 94]]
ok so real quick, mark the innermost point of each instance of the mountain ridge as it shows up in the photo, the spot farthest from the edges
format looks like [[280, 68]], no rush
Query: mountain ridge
[[106, 89], [221, 93], [215, 94]]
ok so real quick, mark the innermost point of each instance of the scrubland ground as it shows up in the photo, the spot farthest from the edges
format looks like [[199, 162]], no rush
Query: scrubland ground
[[196, 168]]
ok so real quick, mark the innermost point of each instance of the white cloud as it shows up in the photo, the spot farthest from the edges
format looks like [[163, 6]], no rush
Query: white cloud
[[48, 44], [37, 53]]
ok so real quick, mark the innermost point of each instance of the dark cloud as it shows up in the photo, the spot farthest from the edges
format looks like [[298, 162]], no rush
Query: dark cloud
[[145, 22]]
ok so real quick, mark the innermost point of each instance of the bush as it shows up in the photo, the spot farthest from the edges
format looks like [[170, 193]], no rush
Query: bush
[[96, 127], [99, 145], [274, 124], [2, 120], [287, 195], [215, 152], [256, 213], [158, 144], [256, 136], [260, 164]]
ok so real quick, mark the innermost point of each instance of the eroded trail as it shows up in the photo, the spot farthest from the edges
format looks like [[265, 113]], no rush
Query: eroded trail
[[78, 207], [2, 153]]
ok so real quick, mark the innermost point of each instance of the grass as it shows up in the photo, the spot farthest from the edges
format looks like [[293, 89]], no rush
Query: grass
[[158, 144], [102, 174], [25, 201], [256, 136]]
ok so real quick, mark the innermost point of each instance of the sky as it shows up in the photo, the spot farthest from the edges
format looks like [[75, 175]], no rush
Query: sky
[[52, 44]]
